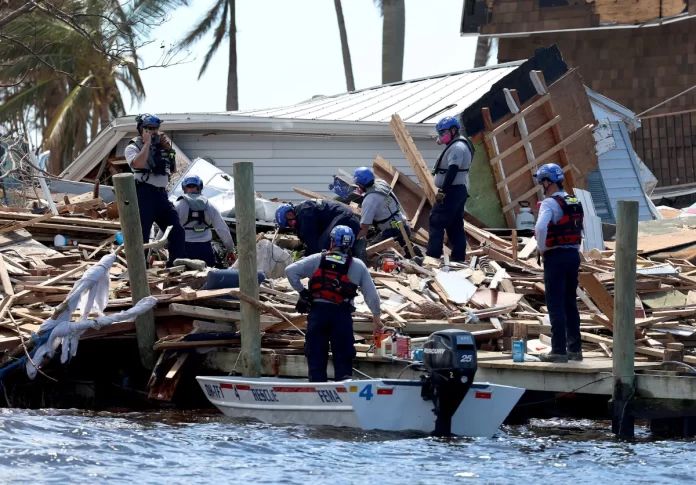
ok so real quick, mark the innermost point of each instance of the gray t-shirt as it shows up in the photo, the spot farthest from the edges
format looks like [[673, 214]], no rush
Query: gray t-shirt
[[132, 151], [357, 274], [376, 206], [457, 154], [212, 218]]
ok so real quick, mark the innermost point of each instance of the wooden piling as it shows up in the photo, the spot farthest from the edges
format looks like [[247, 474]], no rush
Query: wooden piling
[[624, 317], [129, 213], [244, 200]]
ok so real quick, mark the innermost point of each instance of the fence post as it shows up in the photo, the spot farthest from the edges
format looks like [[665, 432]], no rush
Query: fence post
[[129, 214], [245, 209], [624, 317]]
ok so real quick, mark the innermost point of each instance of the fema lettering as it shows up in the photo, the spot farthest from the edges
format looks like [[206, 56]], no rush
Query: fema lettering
[[329, 396], [264, 395]]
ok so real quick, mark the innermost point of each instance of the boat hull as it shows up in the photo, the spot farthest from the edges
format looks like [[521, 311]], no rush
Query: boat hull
[[371, 404]]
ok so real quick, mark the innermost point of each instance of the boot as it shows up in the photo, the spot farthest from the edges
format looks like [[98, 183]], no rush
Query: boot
[[552, 357], [576, 356]]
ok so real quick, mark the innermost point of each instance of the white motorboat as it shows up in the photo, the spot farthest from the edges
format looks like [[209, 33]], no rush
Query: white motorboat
[[444, 401]]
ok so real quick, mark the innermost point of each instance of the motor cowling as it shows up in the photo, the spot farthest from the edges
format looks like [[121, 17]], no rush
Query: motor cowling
[[449, 358]]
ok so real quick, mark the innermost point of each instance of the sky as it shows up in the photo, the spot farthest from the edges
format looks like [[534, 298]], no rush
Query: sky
[[290, 50]]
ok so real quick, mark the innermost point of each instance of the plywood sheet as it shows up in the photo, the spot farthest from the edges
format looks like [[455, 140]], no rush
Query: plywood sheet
[[492, 298], [661, 242], [575, 112]]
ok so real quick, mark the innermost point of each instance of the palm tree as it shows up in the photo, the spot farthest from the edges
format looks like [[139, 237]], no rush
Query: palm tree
[[70, 84], [345, 49], [393, 34], [223, 13]]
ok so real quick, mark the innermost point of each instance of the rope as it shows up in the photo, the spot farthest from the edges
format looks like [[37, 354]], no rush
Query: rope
[[666, 101]]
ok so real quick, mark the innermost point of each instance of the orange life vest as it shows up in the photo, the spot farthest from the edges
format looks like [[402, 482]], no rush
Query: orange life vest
[[330, 281]]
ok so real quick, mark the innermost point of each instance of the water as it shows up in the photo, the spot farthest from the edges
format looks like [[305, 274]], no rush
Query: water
[[61, 447]]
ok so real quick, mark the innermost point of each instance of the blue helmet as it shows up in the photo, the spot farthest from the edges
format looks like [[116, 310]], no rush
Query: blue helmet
[[342, 236], [280, 215], [446, 123], [550, 171], [148, 120], [363, 175], [192, 180]]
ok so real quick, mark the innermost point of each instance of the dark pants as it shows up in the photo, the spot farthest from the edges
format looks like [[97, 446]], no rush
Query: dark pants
[[561, 267], [326, 323], [449, 216], [202, 251], [155, 207]]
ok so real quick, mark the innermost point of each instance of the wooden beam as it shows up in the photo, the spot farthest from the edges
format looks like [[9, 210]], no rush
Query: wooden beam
[[407, 240], [525, 112], [402, 290], [317, 195], [23, 224], [599, 294], [415, 159], [383, 246], [524, 140]]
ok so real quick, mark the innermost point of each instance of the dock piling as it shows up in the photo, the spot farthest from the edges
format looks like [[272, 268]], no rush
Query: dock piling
[[624, 318], [129, 213], [244, 200]]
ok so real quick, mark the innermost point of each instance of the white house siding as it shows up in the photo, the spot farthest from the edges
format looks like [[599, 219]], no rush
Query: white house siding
[[619, 172], [282, 162]]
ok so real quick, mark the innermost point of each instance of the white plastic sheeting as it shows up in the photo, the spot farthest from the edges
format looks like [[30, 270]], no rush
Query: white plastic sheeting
[[90, 295]]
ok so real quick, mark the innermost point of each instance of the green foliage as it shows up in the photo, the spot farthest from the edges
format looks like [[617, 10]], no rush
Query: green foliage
[[63, 72]]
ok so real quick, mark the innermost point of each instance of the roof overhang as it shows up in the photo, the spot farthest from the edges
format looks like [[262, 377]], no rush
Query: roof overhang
[[614, 108], [614, 26], [105, 141]]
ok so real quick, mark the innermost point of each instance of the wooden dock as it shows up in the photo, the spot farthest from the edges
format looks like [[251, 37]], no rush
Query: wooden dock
[[592, 376]]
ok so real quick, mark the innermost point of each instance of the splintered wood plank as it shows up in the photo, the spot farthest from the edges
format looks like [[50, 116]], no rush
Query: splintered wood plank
[[317, 195], [383, 246], [402, 290], [6, 283], [23, 224], [415, 159], [598, 294], [525, 112]]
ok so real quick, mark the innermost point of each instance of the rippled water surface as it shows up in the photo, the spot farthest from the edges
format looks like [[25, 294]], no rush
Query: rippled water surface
[[62, 447]]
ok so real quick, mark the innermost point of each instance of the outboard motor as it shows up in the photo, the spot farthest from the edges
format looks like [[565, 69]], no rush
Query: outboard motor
[[449, 357]]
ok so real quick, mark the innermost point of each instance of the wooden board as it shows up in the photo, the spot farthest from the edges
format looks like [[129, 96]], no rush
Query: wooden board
[[411, 197], [599, 295], [402, 290], [651, 244], [316, 195], [415, 159]]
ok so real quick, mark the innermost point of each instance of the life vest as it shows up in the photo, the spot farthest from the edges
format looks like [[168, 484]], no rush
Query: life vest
[[461, 139], [568, 230], [195, 220], [330, 281], [384, 189], [159, 160]]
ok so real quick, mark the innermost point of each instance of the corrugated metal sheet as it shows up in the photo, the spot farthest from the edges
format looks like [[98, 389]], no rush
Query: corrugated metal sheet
[[283, 162], [620, 174], [417, 101]]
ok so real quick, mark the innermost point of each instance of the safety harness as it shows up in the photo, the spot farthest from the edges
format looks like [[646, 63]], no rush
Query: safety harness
[[195, 220], [437, 170], [160, 160], [568, 230], [382, 188], [330, 281]]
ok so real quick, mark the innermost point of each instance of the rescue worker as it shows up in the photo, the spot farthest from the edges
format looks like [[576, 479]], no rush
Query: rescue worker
[[151, 158], [198, 216], [314, 219], [380, 208], [451, 173], [335, 279], [559, 233]]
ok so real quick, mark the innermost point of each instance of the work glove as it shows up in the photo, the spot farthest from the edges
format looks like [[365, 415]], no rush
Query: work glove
[[231, 258], [439, 197], [305, 302]]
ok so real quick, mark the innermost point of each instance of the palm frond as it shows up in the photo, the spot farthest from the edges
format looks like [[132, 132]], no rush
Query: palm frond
[[220, 32], [72, 112], [23, 99], [205, 24]]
